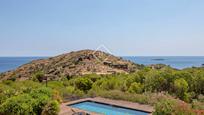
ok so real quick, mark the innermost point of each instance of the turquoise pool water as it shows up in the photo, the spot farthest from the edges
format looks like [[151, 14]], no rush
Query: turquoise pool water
[[106, 109]]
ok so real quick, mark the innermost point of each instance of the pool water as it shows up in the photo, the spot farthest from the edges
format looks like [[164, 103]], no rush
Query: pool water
[[106, 109]]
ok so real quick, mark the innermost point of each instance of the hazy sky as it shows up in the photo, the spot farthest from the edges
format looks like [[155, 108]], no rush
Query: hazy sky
[[125, 27]]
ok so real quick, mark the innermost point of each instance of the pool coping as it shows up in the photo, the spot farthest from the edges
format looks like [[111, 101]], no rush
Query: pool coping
[[117, 103]]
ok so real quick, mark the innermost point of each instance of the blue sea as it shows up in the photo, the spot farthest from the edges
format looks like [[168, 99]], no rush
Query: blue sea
[[178, 62], [10, 63]]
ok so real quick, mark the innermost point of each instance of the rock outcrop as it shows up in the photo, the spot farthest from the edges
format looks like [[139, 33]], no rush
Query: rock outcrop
[[73, 64]]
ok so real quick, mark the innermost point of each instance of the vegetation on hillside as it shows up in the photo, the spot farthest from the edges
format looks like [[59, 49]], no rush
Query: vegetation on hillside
[[170, 91], [27, 98]]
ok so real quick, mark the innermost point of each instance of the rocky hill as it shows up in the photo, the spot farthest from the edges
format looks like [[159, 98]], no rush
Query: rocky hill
[[73, 64]]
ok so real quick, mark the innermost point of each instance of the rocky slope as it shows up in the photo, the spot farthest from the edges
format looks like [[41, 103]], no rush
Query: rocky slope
[[73, 64]]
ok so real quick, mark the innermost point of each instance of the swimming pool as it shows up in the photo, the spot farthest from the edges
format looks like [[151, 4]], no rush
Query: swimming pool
[[106, 109]]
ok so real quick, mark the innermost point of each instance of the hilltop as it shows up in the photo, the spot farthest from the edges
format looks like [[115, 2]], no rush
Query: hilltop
[[73, 64]]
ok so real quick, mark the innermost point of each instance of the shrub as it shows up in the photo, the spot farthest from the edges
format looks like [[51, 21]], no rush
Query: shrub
[[38, 76], [25, 98], [198, 105], [79, 93], [111, 83], [201, 98], [13, 78], [7, 82], [181, 108], [129, 80], [164, 107], [52, 108], [58, 86], [41, 91], [5, 92], [83, 84], [72, 93], [108, 84], [42, 96], [119, 95], [93, 77], [17, 105], [136, 88], [172, 107], [55, 84], [56, 96], [181, 88]]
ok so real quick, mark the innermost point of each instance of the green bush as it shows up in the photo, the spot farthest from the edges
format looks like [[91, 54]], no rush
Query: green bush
[[83, 84], [172, 107], [119, 95], [56, 96], [129, 80], [111, 83], [38, 76], [136, 88], [72, 92], [18, 105], [25, 97], [7, 82], [5, 92], [41, 91], [181, 88], [201, 98], [51, 108], [42, 96], [164, 107], [198, 105]]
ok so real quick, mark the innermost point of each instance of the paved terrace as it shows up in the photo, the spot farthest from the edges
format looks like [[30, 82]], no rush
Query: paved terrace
[[66, 110]]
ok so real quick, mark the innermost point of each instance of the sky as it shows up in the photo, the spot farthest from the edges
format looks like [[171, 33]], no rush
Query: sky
[[125, 27]]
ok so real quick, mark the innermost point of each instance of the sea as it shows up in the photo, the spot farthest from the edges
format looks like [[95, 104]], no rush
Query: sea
[[11, 63], [178, 62]]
